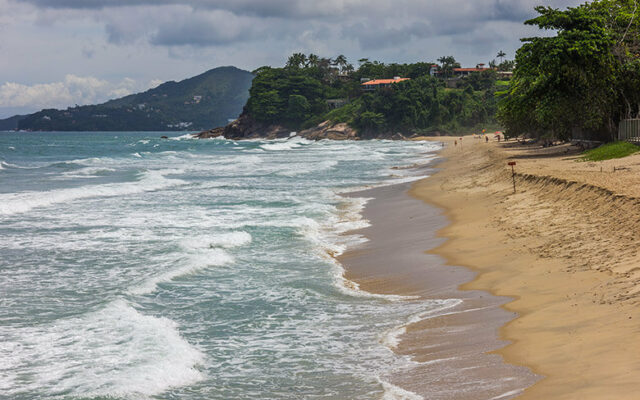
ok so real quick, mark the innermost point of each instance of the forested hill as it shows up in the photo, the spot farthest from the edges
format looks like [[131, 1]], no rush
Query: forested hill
[[206, 100], [309, 91], [11, 123]]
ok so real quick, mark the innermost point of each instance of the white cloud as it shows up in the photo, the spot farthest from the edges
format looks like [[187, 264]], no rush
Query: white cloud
[[72, 90]]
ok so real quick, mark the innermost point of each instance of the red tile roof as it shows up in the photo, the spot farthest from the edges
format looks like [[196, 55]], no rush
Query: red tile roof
[[384, 81], [470, 69]]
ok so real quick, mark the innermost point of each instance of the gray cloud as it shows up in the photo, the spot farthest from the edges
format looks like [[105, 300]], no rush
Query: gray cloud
[[217, 28], [494, 9], [376, 37], [57, 41], [371, 24], [260, 8]]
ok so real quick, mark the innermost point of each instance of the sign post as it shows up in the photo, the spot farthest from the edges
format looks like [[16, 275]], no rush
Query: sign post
[[513, 174]]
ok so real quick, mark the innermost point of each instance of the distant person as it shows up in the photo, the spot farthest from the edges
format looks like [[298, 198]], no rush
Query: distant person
[[455, 143], [486, 139]]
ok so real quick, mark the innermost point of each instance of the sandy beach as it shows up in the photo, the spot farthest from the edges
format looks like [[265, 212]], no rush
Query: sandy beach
[[559, 258], [450, 341]]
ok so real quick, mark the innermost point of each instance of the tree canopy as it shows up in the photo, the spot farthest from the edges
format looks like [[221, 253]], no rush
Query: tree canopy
[[584, 78], [296, 96]]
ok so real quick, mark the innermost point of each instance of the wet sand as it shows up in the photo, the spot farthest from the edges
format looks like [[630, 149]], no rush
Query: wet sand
[[451, 347]]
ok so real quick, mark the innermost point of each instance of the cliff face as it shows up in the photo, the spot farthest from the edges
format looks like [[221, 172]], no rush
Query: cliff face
[[246, 127]]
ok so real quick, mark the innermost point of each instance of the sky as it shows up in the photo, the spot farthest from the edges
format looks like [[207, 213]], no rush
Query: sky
[[59, 53]]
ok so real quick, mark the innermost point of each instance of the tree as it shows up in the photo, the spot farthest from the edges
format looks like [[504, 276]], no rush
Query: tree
[[341, 62], [501, 55], [371, 121], [447, 64], [573, 80], [295, 96], [298, 109], [297, 60], [348, 68], [506, 65], [266, 106], [312, 60]]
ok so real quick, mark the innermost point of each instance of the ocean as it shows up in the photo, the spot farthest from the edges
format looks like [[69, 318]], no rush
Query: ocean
[[135, 267]]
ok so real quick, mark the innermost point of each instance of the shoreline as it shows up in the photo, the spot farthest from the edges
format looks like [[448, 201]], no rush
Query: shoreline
[[560, 248], [456, 330], [560, 253]]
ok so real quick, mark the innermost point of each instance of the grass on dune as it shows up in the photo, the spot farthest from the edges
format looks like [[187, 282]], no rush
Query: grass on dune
[[610, 151]]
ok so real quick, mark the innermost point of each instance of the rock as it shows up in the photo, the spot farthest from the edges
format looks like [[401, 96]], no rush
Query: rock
[[164, 137], [327, 130], [246, 127], [212, 133]]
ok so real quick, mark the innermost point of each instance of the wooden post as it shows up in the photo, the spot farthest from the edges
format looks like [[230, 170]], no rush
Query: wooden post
[[513, 174]]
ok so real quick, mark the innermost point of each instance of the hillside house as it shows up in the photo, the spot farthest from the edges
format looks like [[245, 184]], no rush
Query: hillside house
[[376, 84], [463, 72]]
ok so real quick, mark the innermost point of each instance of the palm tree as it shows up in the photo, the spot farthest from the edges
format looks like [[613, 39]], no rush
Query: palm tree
[[448, 63], [296, 60], [313, 60], [349, 68], [340, 61], [324, 63], [501, 55]]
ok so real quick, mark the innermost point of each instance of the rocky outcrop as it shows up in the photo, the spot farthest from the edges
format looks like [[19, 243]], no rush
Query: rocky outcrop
[[246, 127], [328, 130]]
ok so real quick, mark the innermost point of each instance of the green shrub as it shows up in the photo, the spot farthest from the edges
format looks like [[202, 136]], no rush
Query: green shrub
[[610, 151]]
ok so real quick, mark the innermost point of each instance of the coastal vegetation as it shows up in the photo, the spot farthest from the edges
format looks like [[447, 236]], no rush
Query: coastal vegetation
[[580, 82], [610, 151], [299, 96]]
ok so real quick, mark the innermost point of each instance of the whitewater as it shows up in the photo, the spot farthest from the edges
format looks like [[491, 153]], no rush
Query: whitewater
[[135, 267]]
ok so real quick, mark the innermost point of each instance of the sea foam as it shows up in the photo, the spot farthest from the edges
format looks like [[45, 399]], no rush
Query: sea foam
[[190, 264], [116, 351], [199, 252], [16, 203], [436, 307], [287, 144], [392, 392]]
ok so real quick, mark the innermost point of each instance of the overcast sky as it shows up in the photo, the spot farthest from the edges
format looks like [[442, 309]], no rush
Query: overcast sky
[[57, 53]]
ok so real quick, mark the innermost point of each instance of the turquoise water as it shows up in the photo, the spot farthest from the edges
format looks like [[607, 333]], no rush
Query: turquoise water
[[137, 267]]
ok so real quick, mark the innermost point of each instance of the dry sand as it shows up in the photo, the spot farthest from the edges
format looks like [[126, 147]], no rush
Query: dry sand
[[565, 246]]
